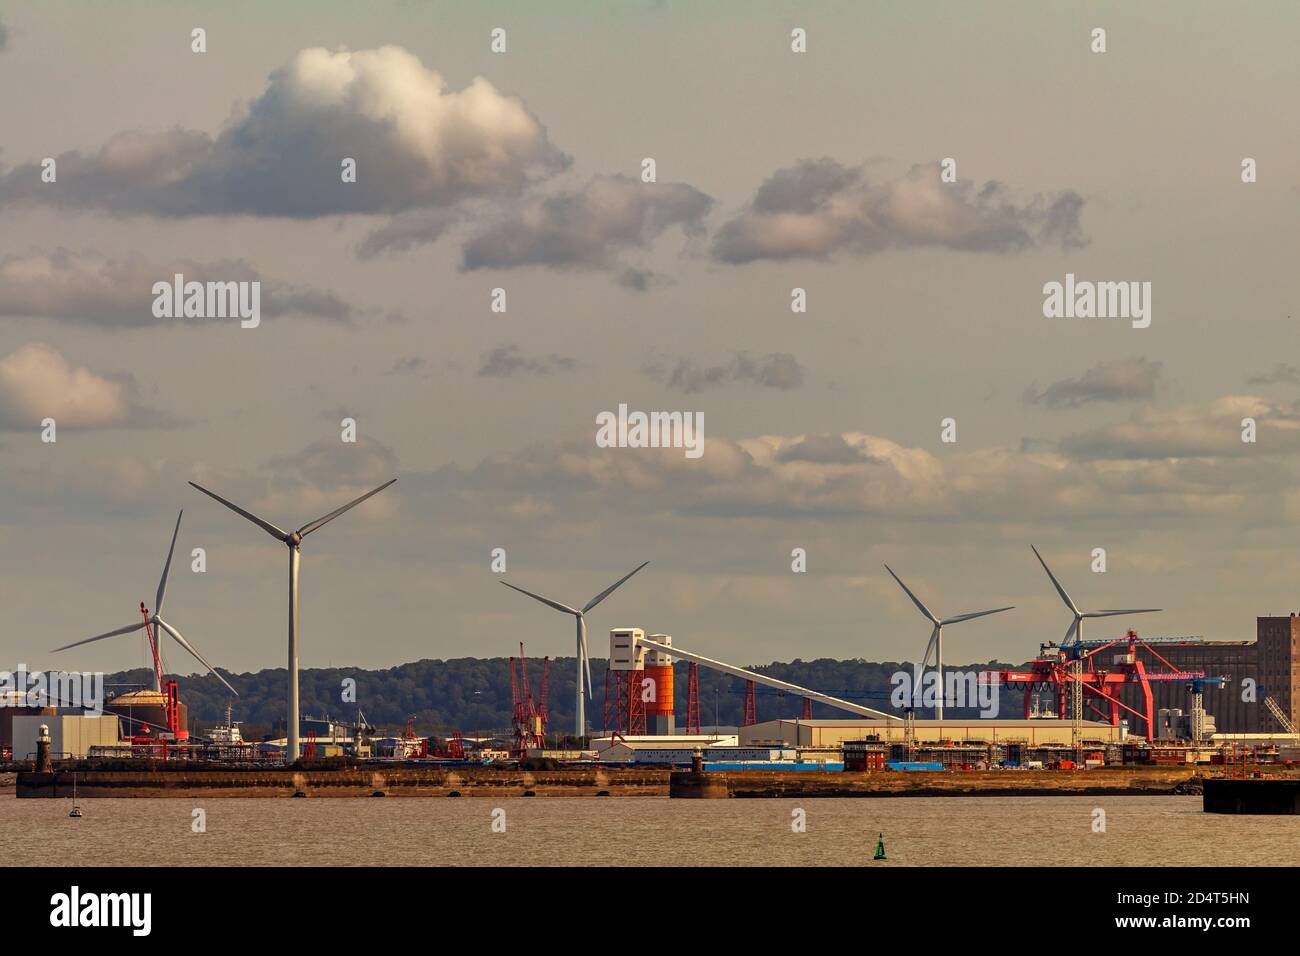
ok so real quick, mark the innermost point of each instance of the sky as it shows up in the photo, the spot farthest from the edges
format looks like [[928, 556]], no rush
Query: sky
[[523, 171]]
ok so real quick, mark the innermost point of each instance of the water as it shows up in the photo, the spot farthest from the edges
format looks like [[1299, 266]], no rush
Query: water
[[431, 831]]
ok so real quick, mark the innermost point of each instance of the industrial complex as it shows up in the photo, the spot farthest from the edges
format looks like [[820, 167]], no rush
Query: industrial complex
[[1077, 703]]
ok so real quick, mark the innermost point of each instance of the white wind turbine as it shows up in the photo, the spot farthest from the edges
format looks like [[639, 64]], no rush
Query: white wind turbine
[[584, 664], [1076, 626], [936, 637], [294, 540], [156, 620]]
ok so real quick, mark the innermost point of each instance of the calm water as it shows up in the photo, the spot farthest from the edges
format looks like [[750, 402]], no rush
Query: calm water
[[575, 831]]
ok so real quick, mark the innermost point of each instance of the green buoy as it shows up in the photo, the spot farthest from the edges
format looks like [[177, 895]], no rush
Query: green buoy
[[880, 848]]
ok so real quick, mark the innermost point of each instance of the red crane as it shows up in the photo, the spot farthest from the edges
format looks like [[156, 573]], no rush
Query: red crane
[[1100, 684], [693, 699], [527, 720]]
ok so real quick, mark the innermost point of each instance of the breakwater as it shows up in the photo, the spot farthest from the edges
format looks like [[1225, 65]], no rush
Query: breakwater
[[472, 781]]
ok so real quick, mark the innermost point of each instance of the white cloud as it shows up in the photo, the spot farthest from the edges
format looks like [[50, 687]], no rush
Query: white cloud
[[37, 382], [415, 143], [1211, 430]]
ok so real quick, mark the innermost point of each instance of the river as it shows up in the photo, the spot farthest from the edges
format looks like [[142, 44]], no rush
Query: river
[[931, 831]]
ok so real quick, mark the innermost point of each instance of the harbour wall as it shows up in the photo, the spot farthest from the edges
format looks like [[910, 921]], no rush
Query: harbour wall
[[598, 781]]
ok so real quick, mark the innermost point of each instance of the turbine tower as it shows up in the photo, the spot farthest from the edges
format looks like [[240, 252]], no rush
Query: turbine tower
[[936, 636], [156, 620], [1076, 626], [294, 540], [584, 665]]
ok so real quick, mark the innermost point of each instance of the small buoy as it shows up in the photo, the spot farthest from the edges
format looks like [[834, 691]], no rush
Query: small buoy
[[880, 848], [75, 812]]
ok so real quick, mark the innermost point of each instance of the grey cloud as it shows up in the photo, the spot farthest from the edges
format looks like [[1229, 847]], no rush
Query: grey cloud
[[819, 207], [588, 228], [408, 364], [821, 449], [90, 289], [505, 361], [777, 370], [1126, 380], [1282, 374], [415, 143], [333, 464], [405, 232], [4, 37]]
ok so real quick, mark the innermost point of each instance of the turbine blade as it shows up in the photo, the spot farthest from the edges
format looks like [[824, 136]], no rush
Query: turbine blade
[[1136, 610], [586, 661], [162, 582], [1071, 631], [974, 614], [99, 637], [915, 600], [266, 526], [1059, 590], [929, 649], [309, 528], [190, 647], [612, 588], [537, 597]]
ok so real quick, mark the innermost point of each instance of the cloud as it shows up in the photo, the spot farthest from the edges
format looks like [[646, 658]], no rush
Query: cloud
[[818, 208], [832, 476], [4, 37], [1191, 431], [821, 449], [408, 364], [505, 361], [777, 370], [1282, 374], [588, 228], [403, 233], [37, 382], [416, 144], [1126, 380], [90, 289]]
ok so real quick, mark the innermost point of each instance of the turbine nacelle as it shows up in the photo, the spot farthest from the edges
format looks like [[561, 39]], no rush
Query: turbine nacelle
[[580, 616], [294, 540]]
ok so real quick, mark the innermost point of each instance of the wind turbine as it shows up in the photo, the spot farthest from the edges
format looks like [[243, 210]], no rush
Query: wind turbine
[[584, 664], [156, 620], [936, 636], [1076, 626], [294, 540]]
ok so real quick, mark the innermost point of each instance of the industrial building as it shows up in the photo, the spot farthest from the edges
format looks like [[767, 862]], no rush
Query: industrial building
[[71, 735], [1232, 659], [833, 733], [1276, 642]]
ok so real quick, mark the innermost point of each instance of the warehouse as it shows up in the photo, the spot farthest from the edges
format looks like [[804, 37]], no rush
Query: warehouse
[[833, 733], [70, 735]]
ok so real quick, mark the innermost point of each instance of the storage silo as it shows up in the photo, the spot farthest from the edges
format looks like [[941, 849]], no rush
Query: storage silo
[[658, 686]]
